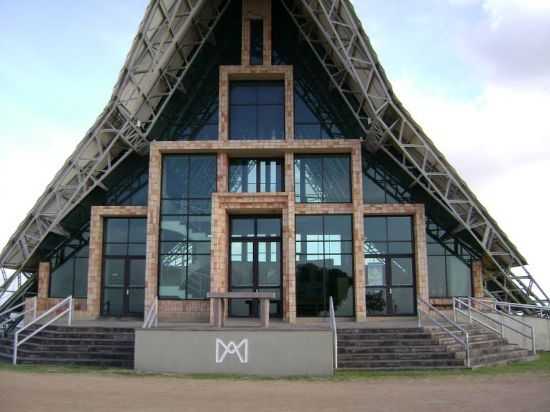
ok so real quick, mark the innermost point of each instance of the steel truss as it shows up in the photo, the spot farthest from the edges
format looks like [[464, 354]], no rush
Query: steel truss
[[335, 34], [170, 36]]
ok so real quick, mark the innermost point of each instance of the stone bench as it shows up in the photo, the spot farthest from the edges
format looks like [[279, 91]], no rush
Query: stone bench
[[220, 298]]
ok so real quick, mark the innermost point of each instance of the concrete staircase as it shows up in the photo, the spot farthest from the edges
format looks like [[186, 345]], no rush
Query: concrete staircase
[[90, 346], [418, 348]]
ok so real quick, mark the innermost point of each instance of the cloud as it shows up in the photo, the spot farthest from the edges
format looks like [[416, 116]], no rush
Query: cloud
[[510, 42]]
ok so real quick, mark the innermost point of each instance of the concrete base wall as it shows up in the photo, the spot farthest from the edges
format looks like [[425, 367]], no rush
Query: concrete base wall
[[541, 327], [251, 352]]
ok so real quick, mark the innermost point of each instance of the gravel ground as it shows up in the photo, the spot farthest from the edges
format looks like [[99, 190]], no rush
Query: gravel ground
[[55, 392]]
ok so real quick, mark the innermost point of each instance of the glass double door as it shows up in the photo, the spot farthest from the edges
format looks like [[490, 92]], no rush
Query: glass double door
[[123, 286], [255, 262], [390, 285]]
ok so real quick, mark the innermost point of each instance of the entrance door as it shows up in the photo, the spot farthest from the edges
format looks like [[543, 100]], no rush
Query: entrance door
[[255, 262], [123, 286], [390, 285]]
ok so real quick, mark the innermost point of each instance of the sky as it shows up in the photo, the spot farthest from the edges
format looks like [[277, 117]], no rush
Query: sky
[[474, 73]]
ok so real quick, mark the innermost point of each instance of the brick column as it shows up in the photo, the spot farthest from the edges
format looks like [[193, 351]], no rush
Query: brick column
[[422, 286], [43, 280], [477, 279], [358, 234]]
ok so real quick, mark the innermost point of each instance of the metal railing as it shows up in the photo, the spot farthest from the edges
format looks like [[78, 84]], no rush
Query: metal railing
[[467, 308], [68, 311], [7, 314], [334, 331], [518, 308], [152, 317], [463, 340]]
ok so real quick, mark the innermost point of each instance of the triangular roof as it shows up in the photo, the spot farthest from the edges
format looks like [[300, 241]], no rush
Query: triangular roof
[[170, 37]]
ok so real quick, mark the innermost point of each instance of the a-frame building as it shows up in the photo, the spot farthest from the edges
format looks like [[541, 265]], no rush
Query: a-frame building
[[258, 145]]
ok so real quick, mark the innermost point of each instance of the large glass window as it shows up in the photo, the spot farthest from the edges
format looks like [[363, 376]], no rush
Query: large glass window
[[449, 268], [255, 175], [324, 265], [69, 276], [257, 110], [187, 187], [322, 178], [389, 265]]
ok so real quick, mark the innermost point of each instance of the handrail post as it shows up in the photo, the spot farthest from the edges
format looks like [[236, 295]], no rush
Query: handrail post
[[156, 312], [419, 315], [15, 344], [467, 342], [533, 345], [454, 309], [70, 310], [35, 307]]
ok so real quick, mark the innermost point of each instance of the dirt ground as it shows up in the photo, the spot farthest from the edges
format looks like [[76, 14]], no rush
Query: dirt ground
[[29, 392]]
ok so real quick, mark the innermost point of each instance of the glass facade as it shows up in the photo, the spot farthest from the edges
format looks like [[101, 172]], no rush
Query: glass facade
[[324, 265], [188, 182], [255, 175], [449, 266], [389, 265], [322, 178], [124, 244], [69, 265], [257, 110]]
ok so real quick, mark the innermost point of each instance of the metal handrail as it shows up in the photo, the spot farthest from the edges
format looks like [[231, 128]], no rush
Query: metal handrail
[[334, 331], [16, 343], [152, 318], [467, 302], [465, 342], [541, 310], [19, 314]]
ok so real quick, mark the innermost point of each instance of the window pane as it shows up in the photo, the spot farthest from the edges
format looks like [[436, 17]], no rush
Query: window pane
[[436, 276], [458, 276], [309, 228], [116, 230], [242, 265], [81, 278], [137, 273], [114, 272], [243, 120], [175, 177], [399, 228], [198, 276], [376, 301], [337, 182], [269, 227], [242, 227], [375, 270], [62, 280], [308, 179], [202, 176], [256, 42], [271, 93], [113, 300], [138, 230], [338, 227], [375, 228], [271, 122], [403, 301], [172, 276], [173, 228], [236, 177], [242, 93], [199, 228], [269, 264], [402, 271]]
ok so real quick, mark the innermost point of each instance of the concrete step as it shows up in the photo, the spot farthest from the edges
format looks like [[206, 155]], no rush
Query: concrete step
[[391, 349], [385, 342], [401, 363], [395, 356]]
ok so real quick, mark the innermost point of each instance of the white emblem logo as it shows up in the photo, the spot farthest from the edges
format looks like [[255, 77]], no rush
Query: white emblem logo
[[222, 350]]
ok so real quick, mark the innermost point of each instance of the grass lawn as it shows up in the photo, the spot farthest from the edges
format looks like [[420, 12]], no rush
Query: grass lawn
[[541, 366]]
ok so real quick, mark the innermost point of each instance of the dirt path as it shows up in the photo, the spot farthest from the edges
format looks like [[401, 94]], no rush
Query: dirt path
[[27, 392]]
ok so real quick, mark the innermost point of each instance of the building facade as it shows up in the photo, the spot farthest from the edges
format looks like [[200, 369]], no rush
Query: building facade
[[259, 177]]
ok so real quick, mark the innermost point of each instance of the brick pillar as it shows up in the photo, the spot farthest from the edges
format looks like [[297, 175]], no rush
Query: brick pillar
[[218, 250], [289, 251], [422, 286], [477, 279], [358, 234], [95, 262], [153, 227], [43, 280]]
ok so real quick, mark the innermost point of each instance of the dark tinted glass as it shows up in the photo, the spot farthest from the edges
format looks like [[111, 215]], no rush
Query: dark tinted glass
[[255, 175], [322, 179], [116, 230], [256, 42], [175, 182], [256, 110]]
